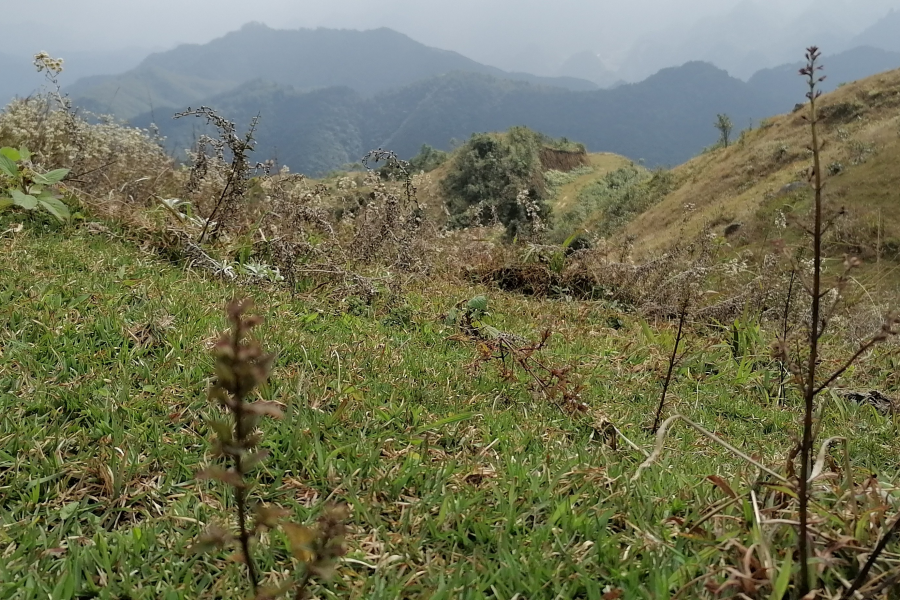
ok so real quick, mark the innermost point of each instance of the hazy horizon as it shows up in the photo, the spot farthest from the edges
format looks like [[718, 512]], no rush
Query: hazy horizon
[[638, 37]]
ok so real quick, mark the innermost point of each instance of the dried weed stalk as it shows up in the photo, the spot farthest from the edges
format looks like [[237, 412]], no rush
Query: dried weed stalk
[[390, 226], [781, 501], [807, 377], [556, 384], [210, 160], [241, 366]]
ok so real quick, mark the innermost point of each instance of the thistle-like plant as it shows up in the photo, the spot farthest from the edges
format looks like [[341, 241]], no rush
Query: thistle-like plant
[[241, 366]]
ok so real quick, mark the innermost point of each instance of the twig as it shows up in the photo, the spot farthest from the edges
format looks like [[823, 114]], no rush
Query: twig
[[672, 362], [661, 438], [882, 544]]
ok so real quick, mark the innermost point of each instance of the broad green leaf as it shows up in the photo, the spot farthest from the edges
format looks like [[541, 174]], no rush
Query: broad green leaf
[[478, 303], [23, 200], [51, 177], [56, 208], [11, 153], [8, 166], [491, 333], [68, 510], [452, 316], [24, 153]]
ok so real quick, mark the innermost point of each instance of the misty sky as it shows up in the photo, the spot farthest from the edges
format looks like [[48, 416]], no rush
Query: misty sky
[[498, 32]]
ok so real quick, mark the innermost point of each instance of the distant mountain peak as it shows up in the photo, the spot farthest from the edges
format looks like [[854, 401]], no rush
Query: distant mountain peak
[[309, 59]]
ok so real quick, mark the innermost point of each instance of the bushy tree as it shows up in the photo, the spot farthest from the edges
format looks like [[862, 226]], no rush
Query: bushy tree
[[428, 159], [724, 125], [498, 177]]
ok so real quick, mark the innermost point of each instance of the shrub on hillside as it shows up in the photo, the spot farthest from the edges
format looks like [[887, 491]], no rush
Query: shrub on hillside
[[498, 179], [612, 202], [428, 159]]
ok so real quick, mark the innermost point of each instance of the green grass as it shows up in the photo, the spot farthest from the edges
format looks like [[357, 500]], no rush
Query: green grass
[[461, 484]]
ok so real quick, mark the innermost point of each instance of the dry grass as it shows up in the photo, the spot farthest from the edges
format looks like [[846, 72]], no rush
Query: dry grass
[[744, 182]]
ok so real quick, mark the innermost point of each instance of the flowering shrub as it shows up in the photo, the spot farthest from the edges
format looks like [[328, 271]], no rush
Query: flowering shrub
[[103, 156]]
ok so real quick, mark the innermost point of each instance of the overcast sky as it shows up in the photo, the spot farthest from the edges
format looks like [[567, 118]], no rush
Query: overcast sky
[[491, 31]]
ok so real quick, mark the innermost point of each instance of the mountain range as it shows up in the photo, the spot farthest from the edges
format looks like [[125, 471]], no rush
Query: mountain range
[[325, 97], [306, 59], [663, 120]]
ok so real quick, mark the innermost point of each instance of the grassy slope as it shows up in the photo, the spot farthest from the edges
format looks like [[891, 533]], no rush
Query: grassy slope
[[741, 183], [462, 485], [603, 163]]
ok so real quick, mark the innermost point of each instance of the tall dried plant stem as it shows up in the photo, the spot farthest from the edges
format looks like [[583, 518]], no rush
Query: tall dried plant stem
[[782, 395], [879, 548], [673, 360], [809, 386], [219, 202]]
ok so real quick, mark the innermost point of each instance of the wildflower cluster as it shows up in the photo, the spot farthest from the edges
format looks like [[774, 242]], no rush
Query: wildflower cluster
[[43, 62]]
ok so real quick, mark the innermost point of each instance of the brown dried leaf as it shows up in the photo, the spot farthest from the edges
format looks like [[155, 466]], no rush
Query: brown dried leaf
[[271, 592], [270, 516], [722, 485], [213, 538], [253, 440], [223, 430], [252, 460], [228, 476], [266, 409], [301, 539]]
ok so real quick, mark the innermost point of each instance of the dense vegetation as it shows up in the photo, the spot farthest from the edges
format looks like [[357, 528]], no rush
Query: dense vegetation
[[498, 179], [608, 204]]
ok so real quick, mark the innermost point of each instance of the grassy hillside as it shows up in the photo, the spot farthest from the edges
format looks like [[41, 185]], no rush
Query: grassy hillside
[[601, 163], [762, 174], [481, 443], [455, 474]]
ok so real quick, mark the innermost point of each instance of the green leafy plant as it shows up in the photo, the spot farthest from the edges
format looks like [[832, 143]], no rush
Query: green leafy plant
[[470, 317], [23, 187]]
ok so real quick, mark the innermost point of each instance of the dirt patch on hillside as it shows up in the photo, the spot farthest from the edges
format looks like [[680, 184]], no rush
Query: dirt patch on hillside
[[563, 160]]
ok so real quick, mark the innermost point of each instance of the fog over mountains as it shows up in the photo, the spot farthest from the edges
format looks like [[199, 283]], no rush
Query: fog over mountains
[[604, 41], [326, 96]]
